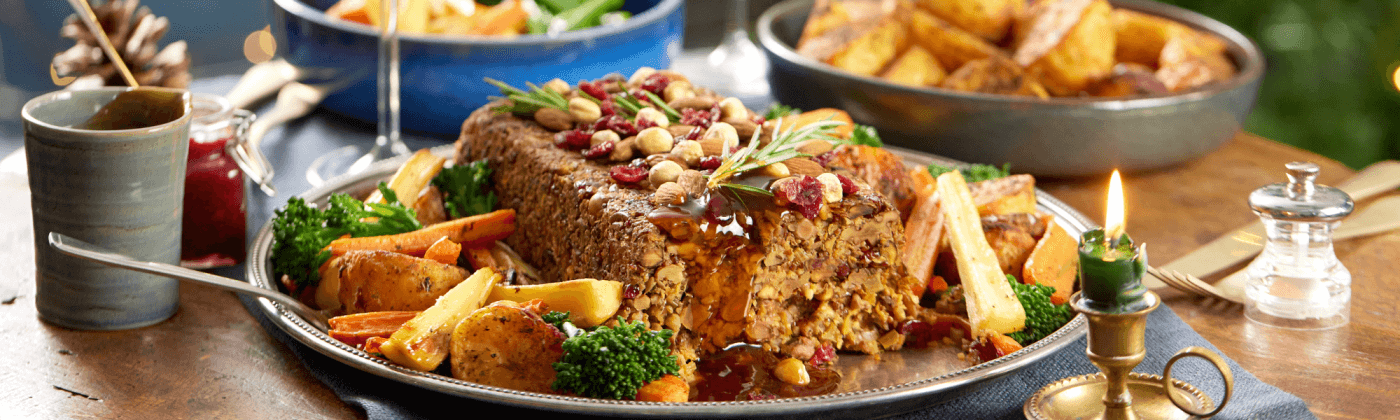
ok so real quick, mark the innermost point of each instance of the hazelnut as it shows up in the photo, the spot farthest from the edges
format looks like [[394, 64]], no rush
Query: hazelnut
[[831, 187], [554, 119], [689, 151], [622, 151], [584, 110], [675, 76], [604, 136], [640, 75], [693, 181], [656, 117], [655, 140], [792, 371], [665, 171], [677, 90], [725, 132], [559, 86], [779, 170], [732, 108]]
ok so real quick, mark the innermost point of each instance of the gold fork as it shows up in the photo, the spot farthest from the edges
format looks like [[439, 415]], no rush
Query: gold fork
[[1190, 284]]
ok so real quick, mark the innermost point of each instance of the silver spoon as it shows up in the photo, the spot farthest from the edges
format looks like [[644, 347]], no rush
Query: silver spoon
[[87, 251]]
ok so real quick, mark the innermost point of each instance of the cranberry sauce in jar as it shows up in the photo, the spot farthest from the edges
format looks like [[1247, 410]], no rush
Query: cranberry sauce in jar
[[216, 211]]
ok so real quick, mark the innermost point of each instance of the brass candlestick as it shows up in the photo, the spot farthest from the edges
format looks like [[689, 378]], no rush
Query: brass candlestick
[[1116, 346]]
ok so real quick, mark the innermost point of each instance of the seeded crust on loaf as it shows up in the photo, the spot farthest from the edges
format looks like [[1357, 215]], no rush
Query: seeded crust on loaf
[[790, 285]]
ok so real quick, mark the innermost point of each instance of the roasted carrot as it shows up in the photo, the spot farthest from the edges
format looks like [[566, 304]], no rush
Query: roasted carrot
[[444, 251], [469, 232], [372, 345], [480, 258], [355, 329], [669, 388], [937, 284]]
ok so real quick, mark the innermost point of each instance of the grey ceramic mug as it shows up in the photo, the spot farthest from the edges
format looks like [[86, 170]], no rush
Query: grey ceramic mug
[[120, 189]]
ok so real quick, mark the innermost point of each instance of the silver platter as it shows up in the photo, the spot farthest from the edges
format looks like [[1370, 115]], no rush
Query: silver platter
[[896, 382]]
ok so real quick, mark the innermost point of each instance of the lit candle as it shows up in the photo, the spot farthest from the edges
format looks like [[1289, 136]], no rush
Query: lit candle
[[1110, 268]]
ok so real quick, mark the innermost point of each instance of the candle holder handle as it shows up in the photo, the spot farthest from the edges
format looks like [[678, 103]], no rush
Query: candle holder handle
[[1214, 359]]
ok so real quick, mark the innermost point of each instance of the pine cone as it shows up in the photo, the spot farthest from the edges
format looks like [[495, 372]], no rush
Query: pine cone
[[134, 33]]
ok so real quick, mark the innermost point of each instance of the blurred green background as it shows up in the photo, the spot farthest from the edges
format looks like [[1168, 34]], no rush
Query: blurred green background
[[1331, 83]]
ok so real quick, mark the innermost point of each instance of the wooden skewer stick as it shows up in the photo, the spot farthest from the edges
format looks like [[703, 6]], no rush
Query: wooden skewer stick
[[89, 18]]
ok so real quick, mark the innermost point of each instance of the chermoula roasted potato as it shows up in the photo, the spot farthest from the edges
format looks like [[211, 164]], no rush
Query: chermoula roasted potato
[[870, 52], [916, 67], [365, 281], [951, 45], [989, 19], [1069, 44], [507, 345]]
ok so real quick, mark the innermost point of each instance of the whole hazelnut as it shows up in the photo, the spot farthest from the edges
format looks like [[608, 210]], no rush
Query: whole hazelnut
[[677, 90], [655, 140], [831, 187], [584, 110], [603, 136], [666, 171], [640, 75], [689, 151], [558, 86], [731, 108], [656, 117], [723, 131]]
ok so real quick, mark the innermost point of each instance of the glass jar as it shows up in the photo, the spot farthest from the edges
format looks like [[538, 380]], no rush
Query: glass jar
[[216, 209]]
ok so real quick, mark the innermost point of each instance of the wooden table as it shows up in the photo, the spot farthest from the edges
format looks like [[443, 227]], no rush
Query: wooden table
[[212, 360]]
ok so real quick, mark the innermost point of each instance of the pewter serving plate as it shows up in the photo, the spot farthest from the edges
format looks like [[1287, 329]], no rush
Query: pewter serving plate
[[895, 383]]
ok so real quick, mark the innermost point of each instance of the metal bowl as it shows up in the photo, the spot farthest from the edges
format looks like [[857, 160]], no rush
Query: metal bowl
[[1062, 137], [442, 74]]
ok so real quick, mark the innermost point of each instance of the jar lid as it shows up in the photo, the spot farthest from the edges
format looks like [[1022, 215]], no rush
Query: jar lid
[[1300, 199]]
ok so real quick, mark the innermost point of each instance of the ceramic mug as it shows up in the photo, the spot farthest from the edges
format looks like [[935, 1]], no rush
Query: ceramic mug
[[120, 189]]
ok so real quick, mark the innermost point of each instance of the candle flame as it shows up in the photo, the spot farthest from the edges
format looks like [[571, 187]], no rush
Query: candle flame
[[1116, 217]]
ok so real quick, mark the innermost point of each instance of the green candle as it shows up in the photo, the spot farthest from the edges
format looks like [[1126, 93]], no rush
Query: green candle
[[1110, 273]]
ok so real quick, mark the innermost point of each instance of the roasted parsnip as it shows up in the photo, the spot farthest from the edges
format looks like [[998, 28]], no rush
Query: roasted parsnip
[[991, 305]]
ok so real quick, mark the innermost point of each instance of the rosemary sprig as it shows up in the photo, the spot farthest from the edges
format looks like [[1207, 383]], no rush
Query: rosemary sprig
[[661, 104], [527, 102], [781, 148]]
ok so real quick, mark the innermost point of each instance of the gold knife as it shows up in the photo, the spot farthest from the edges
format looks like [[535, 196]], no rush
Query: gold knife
[[1247, 241]]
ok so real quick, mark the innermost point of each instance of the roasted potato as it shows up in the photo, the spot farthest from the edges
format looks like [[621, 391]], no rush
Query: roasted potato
[[429, 207], [589, 302], [423, 342], [834, 24], [1013, 237], [993, 75], [1139, 37], [1129, 79], [1191, 61], [506, 345], [951, 45], [916, 67], [870, 52], [367, 281], [1069, 44], [1012, 194], [989, 19]]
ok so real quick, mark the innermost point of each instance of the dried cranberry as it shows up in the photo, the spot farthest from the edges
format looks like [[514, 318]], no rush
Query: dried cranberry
[[918, 334], [608, 108], [578, 139], [824, 158], [710, 163], [631, 291], [696, 117], [593, 89], [628, 174], [986, 351], [693, 134], [823, 355], [715, 113], [656, 83], [847, 185], [617, 124], [758, 119], [645, 123], [805, 194], [599, 150]]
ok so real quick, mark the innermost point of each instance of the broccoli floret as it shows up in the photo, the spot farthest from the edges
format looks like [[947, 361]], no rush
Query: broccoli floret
[[614, 362], [301, 232], [974, 173], [466, 189], [1042, 316]]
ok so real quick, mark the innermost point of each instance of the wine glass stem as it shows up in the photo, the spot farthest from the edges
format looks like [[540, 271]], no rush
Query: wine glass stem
[[738, 17], [389, 78]]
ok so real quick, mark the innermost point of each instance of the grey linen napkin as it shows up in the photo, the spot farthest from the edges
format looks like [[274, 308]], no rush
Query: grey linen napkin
[[1000, 398]]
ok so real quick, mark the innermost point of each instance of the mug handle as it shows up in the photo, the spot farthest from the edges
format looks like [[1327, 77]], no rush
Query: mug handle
[[1220, 366]]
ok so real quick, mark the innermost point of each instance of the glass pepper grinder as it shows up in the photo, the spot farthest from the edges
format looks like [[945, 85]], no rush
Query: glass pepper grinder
[[1297, 281]]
